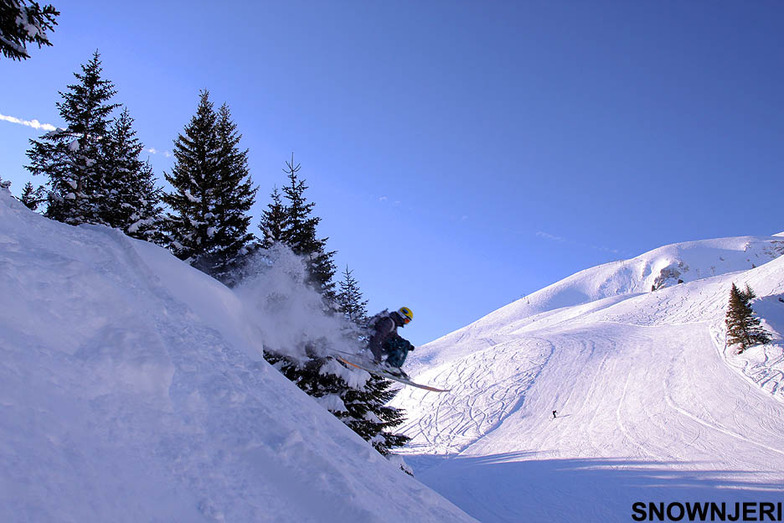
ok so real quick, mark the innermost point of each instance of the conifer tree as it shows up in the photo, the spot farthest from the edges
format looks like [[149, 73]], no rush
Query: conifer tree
[[196, 164], [33, 197], [235, 195], [273, 221], [300, 233], [212, 192], [361, 407], [131, 201], [349, 299], [22, 23], [743, 327], [367, 412], [73, 158]]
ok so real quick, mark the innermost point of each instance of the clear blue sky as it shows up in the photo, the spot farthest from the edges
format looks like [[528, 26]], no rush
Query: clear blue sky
[[461, 154]]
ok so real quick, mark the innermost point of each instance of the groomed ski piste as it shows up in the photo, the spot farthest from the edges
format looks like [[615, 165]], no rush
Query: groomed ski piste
[[132, 389], [652, 408]]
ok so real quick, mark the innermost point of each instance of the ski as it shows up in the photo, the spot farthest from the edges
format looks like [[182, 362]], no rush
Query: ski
[[388, 375]]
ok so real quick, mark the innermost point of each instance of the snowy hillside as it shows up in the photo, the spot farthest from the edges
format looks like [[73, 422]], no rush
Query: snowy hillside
[[616, 281], [650, 404], [131, 389]]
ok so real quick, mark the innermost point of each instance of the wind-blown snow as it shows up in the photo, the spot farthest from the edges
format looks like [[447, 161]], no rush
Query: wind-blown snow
[[651, 405], [132, 389]]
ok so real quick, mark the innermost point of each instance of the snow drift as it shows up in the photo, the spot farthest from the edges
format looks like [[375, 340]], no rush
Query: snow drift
[[651, 405], [132, 389]]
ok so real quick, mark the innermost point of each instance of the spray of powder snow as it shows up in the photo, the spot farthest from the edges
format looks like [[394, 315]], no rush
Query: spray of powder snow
[[291, 316]]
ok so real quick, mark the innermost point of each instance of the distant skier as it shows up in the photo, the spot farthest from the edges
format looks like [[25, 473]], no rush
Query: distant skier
[[386, 341], [554, 412]]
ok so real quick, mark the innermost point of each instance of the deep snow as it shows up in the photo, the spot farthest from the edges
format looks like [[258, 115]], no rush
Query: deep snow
[[652, 407], [132, 389]]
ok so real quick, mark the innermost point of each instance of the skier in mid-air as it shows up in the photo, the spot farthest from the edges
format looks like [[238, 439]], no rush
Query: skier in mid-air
[[385, 341]]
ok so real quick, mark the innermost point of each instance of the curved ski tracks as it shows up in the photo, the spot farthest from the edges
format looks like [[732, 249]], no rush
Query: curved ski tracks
[[644, 382], [481, 396]]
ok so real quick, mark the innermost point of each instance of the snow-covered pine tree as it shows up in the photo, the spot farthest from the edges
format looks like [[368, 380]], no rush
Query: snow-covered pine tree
[[22, 23], [234, 197], [32, 197], [743, 327], [195, 166], [300, 233], [273, 221], [73, 158], [366, 410], [362, 407], [368, 414], [131, 201], [212, 191]]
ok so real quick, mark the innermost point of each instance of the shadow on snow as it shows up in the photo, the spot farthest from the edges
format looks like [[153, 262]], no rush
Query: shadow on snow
[[515, 487]]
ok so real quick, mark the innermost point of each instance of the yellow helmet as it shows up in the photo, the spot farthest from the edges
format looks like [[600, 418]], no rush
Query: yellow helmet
[[406, 314]]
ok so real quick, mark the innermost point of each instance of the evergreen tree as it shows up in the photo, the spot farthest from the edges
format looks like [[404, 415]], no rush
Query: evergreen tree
[[361, 407], [349, 300], [22, 23], [368, 414], [33, 197], [192, 176], [743, 327], [212, 192], [235, 195], [273, 221], [131, 201], [73, 158], [300, 233]]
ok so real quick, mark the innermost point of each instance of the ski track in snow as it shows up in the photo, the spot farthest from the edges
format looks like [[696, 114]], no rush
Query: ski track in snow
[[651, 406], [458, 419]]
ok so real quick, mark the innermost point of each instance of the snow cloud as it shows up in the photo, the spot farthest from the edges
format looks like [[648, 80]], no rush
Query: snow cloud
[[35, 124]]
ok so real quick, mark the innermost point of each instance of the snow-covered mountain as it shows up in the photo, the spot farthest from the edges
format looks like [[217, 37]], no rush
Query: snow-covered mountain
[[651, 405], [132, 389]]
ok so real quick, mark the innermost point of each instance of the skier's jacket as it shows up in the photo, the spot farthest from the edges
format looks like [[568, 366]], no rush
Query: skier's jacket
[[386, 340]]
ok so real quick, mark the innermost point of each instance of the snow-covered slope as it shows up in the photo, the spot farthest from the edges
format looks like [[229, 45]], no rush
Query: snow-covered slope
[[131, 389], [610, 283], [651, 405]]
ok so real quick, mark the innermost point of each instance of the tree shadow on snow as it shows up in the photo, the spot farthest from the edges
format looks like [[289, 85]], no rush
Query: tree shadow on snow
[[516, 487]]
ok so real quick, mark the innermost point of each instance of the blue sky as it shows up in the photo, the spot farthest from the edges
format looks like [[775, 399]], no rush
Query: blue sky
[[460, 154]]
